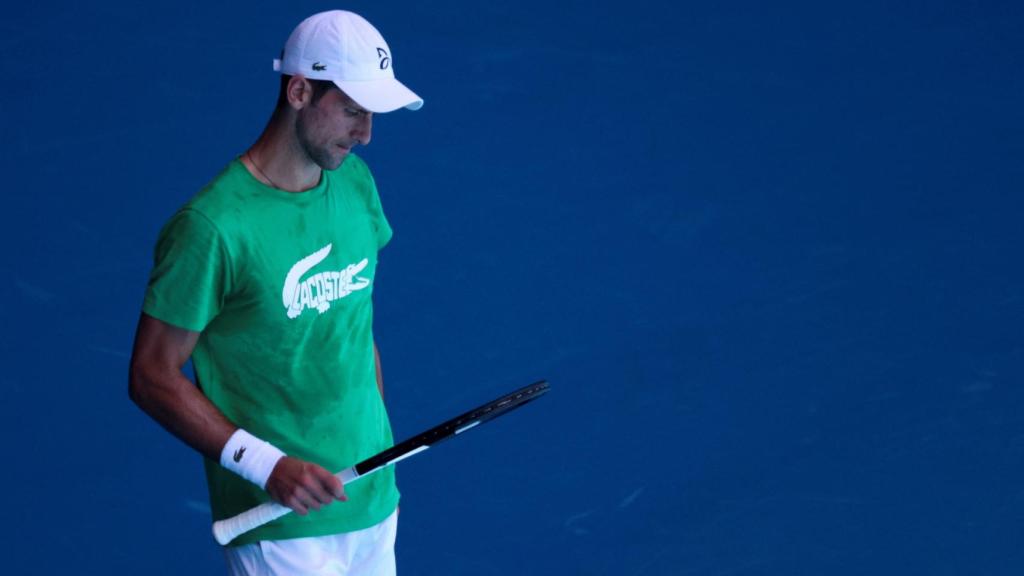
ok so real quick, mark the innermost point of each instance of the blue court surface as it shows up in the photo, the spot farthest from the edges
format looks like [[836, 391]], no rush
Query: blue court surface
[[769, 256]]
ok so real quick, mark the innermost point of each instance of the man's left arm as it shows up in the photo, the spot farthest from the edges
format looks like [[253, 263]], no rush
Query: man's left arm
[[380, 377], [380, 381]]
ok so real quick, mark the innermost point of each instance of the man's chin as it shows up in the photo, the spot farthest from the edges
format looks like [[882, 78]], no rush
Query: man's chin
[[333, 161]]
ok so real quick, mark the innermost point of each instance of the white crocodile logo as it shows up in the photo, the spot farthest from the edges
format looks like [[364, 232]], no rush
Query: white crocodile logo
[[319, 290]]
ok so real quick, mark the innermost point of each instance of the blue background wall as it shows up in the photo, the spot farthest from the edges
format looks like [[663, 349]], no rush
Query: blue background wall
[[769, 257]]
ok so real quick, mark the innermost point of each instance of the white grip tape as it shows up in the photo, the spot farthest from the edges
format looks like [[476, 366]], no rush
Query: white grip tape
[[228, 529]]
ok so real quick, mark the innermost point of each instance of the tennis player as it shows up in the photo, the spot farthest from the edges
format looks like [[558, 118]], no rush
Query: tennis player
[[264, 279]]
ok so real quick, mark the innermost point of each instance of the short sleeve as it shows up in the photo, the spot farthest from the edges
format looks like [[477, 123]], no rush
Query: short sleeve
[[368, 192], [191, 272], [380, 222]]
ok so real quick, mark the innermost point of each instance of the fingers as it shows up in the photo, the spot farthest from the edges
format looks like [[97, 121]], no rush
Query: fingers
[[332, 487], [300, 502], [303, 486], [320, 488]]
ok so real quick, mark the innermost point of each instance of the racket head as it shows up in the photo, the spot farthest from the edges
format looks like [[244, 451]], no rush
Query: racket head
[[498, 407], [459, 424]]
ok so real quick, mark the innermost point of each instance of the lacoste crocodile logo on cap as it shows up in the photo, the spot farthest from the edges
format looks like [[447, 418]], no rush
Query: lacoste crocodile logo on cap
[[319, 67], [238, 454]]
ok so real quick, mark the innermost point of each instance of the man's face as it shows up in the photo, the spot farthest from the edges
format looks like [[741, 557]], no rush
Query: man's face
[[330, 127]]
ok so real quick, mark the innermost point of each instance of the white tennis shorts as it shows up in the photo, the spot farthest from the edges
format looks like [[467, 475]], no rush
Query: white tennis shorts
[[369, 552]]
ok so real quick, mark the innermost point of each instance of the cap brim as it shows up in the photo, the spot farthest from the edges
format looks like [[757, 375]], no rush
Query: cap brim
[[386, 95]]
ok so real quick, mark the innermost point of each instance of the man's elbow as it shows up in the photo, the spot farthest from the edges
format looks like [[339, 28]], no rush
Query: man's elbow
[[137, 382]]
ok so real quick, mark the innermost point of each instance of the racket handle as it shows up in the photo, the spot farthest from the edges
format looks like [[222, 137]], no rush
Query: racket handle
[[228, 529]]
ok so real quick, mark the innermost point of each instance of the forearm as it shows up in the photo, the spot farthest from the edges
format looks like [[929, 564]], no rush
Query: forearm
[[176, 404], [157, 384]]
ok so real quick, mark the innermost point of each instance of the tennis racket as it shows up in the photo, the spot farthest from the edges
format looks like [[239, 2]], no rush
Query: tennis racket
[[228, 529]]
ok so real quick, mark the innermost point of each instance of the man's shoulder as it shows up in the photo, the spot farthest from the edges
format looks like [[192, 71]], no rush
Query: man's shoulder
[[223, 192], [213, 209]]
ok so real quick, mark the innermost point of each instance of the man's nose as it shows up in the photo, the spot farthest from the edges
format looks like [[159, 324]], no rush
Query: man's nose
[[363, 129]]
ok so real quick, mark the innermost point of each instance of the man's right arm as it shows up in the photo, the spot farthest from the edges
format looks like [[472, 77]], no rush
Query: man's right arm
[[158, 386]]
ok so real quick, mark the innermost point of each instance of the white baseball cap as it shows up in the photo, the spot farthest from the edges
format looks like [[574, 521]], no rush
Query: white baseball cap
[[343, 47]]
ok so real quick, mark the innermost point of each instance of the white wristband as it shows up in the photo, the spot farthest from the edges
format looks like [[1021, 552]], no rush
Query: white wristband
[[250, 457]]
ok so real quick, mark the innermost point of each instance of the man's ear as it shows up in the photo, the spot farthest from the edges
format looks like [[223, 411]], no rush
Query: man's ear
[[299, 92]]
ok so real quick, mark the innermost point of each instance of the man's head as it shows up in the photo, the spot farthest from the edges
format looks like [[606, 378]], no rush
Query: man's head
[[326, 122], [343, 48]]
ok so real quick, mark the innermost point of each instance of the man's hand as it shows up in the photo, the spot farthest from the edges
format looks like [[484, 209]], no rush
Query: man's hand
[[303, 486]]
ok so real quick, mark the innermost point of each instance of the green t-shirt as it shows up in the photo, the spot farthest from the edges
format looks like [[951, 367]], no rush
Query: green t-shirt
[[279, 285]]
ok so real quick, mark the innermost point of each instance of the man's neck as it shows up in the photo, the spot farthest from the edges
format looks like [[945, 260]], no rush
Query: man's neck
[[277, 159]]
